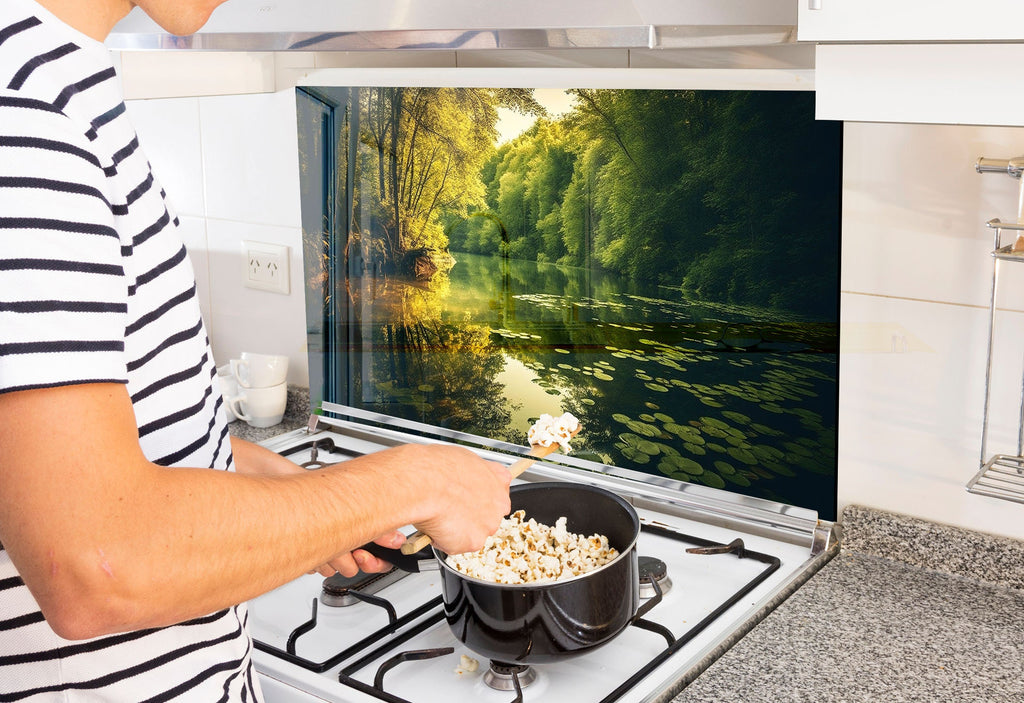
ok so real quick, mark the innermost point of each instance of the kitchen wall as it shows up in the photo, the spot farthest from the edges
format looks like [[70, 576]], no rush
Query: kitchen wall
[[916, 281], [915, 285], [230, 167]]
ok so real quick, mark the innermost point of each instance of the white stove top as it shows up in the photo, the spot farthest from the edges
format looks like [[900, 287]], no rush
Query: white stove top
[[700, 584]]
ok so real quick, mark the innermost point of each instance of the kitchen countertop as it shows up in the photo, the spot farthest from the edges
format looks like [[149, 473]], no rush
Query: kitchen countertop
[[296, 414], [909, 610]]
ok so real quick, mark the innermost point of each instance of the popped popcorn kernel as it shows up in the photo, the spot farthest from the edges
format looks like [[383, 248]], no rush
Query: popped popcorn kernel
[[550, 430], [525, 551]]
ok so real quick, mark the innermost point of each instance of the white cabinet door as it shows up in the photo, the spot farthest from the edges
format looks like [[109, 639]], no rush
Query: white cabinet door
[[910, 20], [927, 83]]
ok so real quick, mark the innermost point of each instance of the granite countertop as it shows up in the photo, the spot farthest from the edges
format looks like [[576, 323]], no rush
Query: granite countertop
[[296, 415], [909, 610]]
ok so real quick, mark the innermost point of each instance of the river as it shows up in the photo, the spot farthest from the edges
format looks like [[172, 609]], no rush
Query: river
[[731, 397]]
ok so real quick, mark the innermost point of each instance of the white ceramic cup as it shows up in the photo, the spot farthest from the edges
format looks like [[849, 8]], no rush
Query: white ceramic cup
[[260, 370], [228, 388], [260, 407]]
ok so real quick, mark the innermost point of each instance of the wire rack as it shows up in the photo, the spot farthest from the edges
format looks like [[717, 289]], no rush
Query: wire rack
[[1001, 475]]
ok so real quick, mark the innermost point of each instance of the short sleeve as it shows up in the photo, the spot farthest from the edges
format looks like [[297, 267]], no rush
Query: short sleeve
[[63, 292]]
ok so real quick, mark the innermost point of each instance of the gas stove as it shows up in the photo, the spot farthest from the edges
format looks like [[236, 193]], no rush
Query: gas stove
[[713, 564]]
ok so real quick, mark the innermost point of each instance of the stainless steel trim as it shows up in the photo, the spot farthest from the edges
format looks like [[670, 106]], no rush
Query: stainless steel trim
[[643, 36], [626, 37], [1013, 167], [792, 523], [998, 224]]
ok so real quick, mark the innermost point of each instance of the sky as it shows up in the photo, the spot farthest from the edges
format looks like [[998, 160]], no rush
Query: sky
[[512, 124]]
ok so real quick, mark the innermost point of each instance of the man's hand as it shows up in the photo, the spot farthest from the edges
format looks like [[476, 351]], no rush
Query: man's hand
[[351, 563], [468, 496]]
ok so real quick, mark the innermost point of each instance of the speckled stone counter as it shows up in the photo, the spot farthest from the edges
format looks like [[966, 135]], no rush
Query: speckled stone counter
[[908, 611], [296, 414]]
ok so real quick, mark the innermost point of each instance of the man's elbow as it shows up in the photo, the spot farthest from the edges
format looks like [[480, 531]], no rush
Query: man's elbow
[[82, 604]]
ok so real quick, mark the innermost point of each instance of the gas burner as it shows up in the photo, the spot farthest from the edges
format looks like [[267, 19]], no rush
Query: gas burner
[[653, 568], [340, 591], [502, 677]]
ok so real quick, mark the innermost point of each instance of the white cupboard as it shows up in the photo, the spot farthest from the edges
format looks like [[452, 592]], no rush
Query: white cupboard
[[910, 21]]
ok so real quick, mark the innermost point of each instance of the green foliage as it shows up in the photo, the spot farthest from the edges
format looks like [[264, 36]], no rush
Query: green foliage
[[730, 195]]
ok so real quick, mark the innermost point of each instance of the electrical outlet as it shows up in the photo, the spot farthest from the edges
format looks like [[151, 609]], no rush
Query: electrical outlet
[[265, 266]]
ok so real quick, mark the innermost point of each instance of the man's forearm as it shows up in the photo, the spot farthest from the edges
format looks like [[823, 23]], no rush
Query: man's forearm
[[107, 541]]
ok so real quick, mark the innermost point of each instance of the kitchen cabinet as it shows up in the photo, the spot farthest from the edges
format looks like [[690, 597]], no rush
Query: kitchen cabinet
[[962, 83], [927, 62], [923, 20]]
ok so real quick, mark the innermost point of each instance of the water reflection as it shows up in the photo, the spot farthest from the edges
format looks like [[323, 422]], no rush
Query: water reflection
[[730, 397]]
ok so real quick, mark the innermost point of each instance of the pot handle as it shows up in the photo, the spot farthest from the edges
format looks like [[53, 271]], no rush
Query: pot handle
[[414, 563], [650, 603]]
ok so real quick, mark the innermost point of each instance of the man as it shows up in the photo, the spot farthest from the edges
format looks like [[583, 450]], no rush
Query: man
[[124, 556]]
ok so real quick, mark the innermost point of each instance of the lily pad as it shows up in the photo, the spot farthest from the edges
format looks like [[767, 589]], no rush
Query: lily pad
[[798, 449], [642, 428], [779, 468], [724, 468], [713, 480], [738, 479], [742, 455], [648, 447], [714, 422], [683, 463]]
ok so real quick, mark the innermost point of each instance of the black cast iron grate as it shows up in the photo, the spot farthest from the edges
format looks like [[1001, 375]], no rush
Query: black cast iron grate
[[432, 613]]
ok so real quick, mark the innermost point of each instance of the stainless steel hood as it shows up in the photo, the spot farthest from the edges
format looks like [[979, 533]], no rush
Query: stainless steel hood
[[471, 25]]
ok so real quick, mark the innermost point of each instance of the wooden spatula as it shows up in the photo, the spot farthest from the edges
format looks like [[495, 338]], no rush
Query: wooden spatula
[[418, 540]]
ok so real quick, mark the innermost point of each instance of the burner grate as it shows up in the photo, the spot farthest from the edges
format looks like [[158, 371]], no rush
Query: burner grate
[[388, 643]]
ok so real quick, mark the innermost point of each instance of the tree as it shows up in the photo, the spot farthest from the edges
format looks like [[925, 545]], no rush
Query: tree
[[429, 145]]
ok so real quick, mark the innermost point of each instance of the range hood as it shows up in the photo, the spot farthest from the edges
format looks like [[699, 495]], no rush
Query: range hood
[[471, 25]]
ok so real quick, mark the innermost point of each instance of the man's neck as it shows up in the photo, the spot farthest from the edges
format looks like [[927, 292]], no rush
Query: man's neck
[[94, 18]]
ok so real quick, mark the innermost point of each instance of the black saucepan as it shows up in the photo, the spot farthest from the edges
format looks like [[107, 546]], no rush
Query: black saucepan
[[543, 622]]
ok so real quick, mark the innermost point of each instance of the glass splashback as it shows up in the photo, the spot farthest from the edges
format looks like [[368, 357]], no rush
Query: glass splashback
[[663, 264]]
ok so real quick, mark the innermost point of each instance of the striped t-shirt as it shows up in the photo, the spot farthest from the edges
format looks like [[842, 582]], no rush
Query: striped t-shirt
[[95, 286]]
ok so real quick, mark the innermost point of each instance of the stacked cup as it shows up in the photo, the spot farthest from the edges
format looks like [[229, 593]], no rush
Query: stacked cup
[[262, 392]]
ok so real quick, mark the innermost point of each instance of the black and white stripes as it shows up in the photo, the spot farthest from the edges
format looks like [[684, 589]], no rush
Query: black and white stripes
[[96, 287]]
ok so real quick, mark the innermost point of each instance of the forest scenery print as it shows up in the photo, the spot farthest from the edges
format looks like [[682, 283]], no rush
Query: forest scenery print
[[663, 264]]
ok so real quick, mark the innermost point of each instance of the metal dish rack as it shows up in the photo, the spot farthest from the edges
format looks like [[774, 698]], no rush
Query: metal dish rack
[[1001, 475]]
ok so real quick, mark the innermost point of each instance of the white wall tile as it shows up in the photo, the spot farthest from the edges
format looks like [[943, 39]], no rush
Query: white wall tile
[[244, 319], [250, 158], [168, 130], [914, 209], [165, 74], [910, 421]]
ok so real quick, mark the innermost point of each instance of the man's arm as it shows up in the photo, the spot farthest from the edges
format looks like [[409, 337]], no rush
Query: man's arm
[[107, 541], [250, 458]]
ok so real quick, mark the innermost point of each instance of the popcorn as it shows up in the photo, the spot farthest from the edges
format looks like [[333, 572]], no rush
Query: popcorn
[[553, 430], [525, 551], [467, 665]]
